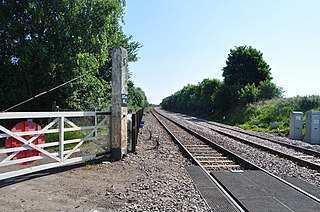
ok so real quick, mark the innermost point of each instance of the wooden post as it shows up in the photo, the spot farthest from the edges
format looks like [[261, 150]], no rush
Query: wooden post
[[137, 125], [134, 130], [119, 103]]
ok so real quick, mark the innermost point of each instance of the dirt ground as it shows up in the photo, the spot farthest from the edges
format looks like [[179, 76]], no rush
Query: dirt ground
[[153, 179]]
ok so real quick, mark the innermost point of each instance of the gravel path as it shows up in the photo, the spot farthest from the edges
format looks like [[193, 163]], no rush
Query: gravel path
[[154, 179]]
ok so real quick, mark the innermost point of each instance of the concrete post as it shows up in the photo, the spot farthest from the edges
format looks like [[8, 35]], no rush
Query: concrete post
[[119, 103]]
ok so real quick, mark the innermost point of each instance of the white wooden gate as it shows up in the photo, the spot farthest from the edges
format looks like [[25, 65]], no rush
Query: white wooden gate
[[94, 140]]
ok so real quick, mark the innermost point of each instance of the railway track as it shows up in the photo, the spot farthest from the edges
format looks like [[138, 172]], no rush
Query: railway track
[[208, 156], [302, 156], [212, 157], [295, 147]]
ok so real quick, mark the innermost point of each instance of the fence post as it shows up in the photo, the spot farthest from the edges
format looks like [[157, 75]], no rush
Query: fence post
[[95, 124], [130, 142], [119, 103], [134, 129], [137, 125], [61, 138]]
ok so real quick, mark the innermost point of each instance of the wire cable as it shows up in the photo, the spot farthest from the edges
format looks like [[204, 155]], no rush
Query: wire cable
[[48, 91]]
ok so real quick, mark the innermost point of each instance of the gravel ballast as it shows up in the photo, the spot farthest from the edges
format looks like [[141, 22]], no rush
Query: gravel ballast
[[153, 179], [276, 165]]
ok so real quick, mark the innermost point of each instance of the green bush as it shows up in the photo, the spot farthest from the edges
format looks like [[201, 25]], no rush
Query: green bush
[[269, 111], [54, 137]]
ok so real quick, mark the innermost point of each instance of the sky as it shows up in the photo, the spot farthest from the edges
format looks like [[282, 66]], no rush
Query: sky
[[186, 41]]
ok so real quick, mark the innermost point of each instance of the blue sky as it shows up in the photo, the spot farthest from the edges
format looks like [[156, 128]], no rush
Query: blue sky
[[186, 41]]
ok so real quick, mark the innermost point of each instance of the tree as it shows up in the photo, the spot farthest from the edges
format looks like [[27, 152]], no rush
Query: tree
[[226, 97], [249, 94], [245, 65], [193, 98], [209, 88], [136, 97], [269, 90], [46, 43], [247, 79]]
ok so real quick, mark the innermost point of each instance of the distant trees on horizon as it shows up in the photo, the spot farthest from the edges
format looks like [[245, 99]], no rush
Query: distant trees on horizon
[[247, 79]]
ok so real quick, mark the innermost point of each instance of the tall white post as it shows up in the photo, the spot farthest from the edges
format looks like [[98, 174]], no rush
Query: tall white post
[[61, 138], [119, 103]]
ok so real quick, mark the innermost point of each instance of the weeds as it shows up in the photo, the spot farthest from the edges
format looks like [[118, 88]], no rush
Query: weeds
[[269, 111]]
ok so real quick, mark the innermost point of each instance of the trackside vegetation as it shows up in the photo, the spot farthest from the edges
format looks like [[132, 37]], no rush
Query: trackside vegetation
[[136, 97], [246, 97], [47, 43], [247, 79], [258, 116]]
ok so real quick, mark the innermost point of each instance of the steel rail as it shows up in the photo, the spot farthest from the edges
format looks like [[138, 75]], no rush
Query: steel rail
[[302, 149], [243, 162], [238, 206], [267, 172], [299, 161]]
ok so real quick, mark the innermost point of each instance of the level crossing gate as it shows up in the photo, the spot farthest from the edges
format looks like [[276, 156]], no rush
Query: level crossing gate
[[91, 141], [67, 137]]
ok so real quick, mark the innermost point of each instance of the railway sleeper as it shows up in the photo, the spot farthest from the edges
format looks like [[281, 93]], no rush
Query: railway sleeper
[[305, 156], [197, 145], [200, 149], [221, 166], [211, 157], [210, 153], [206, 155], [216, 161]]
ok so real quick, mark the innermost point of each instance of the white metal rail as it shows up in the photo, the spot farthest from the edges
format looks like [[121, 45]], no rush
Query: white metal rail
[[93, 139]]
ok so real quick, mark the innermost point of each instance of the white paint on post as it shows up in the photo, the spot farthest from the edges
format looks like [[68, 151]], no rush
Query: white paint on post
[[95, 124], [61, 138], [119, 103]]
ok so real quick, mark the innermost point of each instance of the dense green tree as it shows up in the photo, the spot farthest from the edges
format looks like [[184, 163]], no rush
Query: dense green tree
[[45, 43], [209, 89], [245, 65], [249, 93], [247, 79], [185, 98], [227, 97], [193, 98], [306, 103], [136, 97], [269, 90]]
